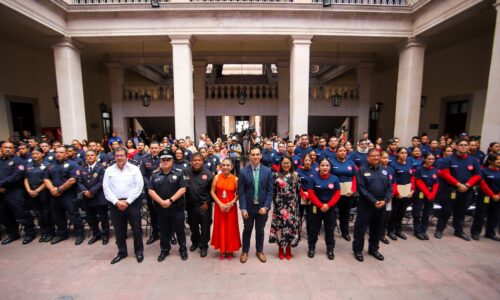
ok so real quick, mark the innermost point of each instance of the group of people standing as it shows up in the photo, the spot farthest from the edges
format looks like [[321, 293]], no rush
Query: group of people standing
[[298, 185]]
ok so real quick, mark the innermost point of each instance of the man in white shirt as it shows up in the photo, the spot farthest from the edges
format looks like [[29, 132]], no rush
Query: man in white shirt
[[122, 185]]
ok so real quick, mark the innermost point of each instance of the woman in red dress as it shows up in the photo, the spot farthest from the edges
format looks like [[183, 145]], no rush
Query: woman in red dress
[[131, 150], [226, 233]]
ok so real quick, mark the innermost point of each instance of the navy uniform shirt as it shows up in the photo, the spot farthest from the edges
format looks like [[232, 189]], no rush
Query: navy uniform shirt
[[139, 156], [181, 165], [11, 172], [305, 177], [60, 172], [301, 151], [276, 157], [359, 158], [404, 172], [26, 158], [215, 159], [167, 184], [373, 183], [460, 169], [49, 157], [296, 161], [267, 157], [148, 164], [111, 158], [415, 163], [437, 153], [35, 173], [91, 180], [479, 155], [324, 188], [77, 160], [328, 154], [491, 178], [209, 165], [188, 155], [198, 185], [345, 171], [102, 158], [80, 153], [428, 175]]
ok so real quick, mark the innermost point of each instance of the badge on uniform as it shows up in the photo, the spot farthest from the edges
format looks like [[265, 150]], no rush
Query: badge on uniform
[[453, 195], [209, 164], [204, 177], [368, 174], [486, 200], [421, 195], [77, 172], [315, 209], [330, 186], [66, 165], [30, 160], [174, 177], [11, 163], [42, 167], [384, 172], [51, 158], [470, 168], [388, 206], [95, 175]]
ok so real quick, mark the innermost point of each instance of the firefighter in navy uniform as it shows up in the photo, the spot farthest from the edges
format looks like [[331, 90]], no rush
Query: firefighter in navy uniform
[[167, 188], [148, 164], [93, 200], [375, 190], [73, 156], [60, 180], [12, 200], [207, 162]]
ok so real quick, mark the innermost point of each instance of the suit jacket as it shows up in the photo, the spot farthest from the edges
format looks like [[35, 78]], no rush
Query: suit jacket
[[92, 181], [246, 187]]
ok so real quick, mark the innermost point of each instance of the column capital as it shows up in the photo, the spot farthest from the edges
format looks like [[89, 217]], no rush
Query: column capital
[[181, 39], [412, 42], [68, 42], [301, 39]]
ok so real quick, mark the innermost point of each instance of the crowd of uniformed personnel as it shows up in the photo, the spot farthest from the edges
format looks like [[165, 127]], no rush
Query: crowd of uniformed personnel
[[50, 182]]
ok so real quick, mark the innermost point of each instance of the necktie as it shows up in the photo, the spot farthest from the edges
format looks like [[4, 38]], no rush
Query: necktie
[[256, 186]]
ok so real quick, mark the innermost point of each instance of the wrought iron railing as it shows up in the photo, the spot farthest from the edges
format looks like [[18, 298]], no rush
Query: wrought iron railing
[[327, 2]]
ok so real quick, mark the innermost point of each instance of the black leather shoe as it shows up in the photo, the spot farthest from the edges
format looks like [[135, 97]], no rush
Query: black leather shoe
[[346, 237], [385, 240], [94, 239], [475, 236], [419, 236], [426, 237], [184, 255], [117, 259], [358, 256], [330, 254], [463, 236], [105, 240], [193, 247], [310, 253], [203, 252], [376, 254], [438, 234], [401, 235], [173, 240], [10, 239], [152, 239], [49, 238], [392, 236], [42, 239], [79, 240], [28, 239], [492, 237], [139, 257], [58, 239], [162, 256]]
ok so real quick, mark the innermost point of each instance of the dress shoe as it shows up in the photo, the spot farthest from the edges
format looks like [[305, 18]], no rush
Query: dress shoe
[[244, 257], [139, 257], [426, 237], [346, 237], [401, 235], [203, 252], [10, 239], [94, 239], [492, 237], [419, 236], [310, 253], [117, 259], [385, 240], [261, 256], [463, 236], [162, 256], [475, 236], [79, 240], [42, 239], [438, 234], [184, 255], [281, 253], [173, 240], [152, 239], [58, 239], [49, 238], [358, 256], [288, 253], [193, 247], [28, 239], [392, 236], [376, 254], [330, 254], [105, 240]]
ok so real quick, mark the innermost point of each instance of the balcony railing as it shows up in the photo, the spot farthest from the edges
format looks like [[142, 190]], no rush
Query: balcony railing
[[231, 91], [332, 2]]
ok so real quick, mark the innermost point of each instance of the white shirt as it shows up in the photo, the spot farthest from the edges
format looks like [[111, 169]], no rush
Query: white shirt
[[126, 183]]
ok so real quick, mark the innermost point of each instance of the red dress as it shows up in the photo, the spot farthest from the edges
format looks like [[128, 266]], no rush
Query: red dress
[[226, 232]]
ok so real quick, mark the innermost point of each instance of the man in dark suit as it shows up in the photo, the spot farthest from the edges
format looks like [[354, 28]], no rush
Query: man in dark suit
[[255, 190]]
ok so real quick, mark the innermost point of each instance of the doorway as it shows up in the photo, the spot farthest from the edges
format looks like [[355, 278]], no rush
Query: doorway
[[456, 117]]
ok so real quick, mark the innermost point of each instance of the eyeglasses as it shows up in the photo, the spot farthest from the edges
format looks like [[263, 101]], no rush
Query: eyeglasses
[[462, 145]]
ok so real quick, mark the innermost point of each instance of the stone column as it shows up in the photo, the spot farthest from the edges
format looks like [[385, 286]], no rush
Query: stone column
[[299, 84], [116, 80], [70, 90], [283, 98], [200, 114], [183, 85], [258, 126], [409, 90], [363, 72], [490, 131]]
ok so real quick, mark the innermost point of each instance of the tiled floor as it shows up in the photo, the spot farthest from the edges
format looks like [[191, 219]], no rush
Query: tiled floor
[[437, 269]]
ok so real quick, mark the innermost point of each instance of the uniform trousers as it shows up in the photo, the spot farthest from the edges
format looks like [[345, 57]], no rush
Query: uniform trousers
[[399, 206], [153, 216], [344, 209], [13, 212], [98, 214], [491, 211], [421, 211], [368, 216], [199, 223], [62, 205], [42, 209], [329, 219], [456, 206], [171, 220]]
